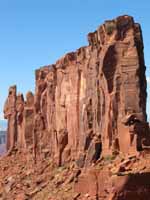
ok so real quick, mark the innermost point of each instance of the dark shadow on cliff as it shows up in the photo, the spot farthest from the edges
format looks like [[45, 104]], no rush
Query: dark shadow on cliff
[[133, 187]]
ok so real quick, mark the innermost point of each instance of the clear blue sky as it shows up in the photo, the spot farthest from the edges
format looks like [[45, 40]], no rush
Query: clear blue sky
[[37, 32]]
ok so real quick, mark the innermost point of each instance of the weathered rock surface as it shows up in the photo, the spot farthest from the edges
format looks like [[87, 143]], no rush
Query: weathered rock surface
[[81, 101], [19, 114], [10, 115], [90, 104]]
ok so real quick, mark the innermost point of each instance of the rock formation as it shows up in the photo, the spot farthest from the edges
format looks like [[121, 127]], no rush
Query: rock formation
[[10, 115], [89, 103], [20, 119], [88, 114]]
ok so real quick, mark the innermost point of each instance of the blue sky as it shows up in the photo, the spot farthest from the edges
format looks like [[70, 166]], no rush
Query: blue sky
[[37, 32]]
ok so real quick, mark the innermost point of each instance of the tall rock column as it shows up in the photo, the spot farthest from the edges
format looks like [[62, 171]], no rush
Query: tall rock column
[[28, 120], [20, 116], [20, 126], [11, 115]]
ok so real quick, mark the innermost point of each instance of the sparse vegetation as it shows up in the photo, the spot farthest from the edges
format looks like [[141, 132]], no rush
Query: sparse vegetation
[[109, 157], [110, 27]]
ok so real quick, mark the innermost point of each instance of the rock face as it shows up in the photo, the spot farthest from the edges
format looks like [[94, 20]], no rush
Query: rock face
[[20, 117], [89, 103], [10, 115]]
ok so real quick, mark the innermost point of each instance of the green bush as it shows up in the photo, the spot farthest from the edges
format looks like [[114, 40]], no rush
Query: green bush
[[110, 27], [109, 157]]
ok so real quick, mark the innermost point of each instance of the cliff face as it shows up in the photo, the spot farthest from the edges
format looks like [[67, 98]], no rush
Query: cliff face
[[89, 103], [87, 108]]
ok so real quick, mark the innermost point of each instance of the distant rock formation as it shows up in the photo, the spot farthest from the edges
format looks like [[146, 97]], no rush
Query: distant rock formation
[[2, 142], [92, 102], [2, 137]]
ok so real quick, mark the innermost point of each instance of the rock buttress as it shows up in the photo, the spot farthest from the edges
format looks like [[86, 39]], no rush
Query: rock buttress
[[20, 116]]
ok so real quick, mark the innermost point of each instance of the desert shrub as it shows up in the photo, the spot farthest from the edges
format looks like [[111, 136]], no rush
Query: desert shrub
[[109, 157], [110, 27]]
